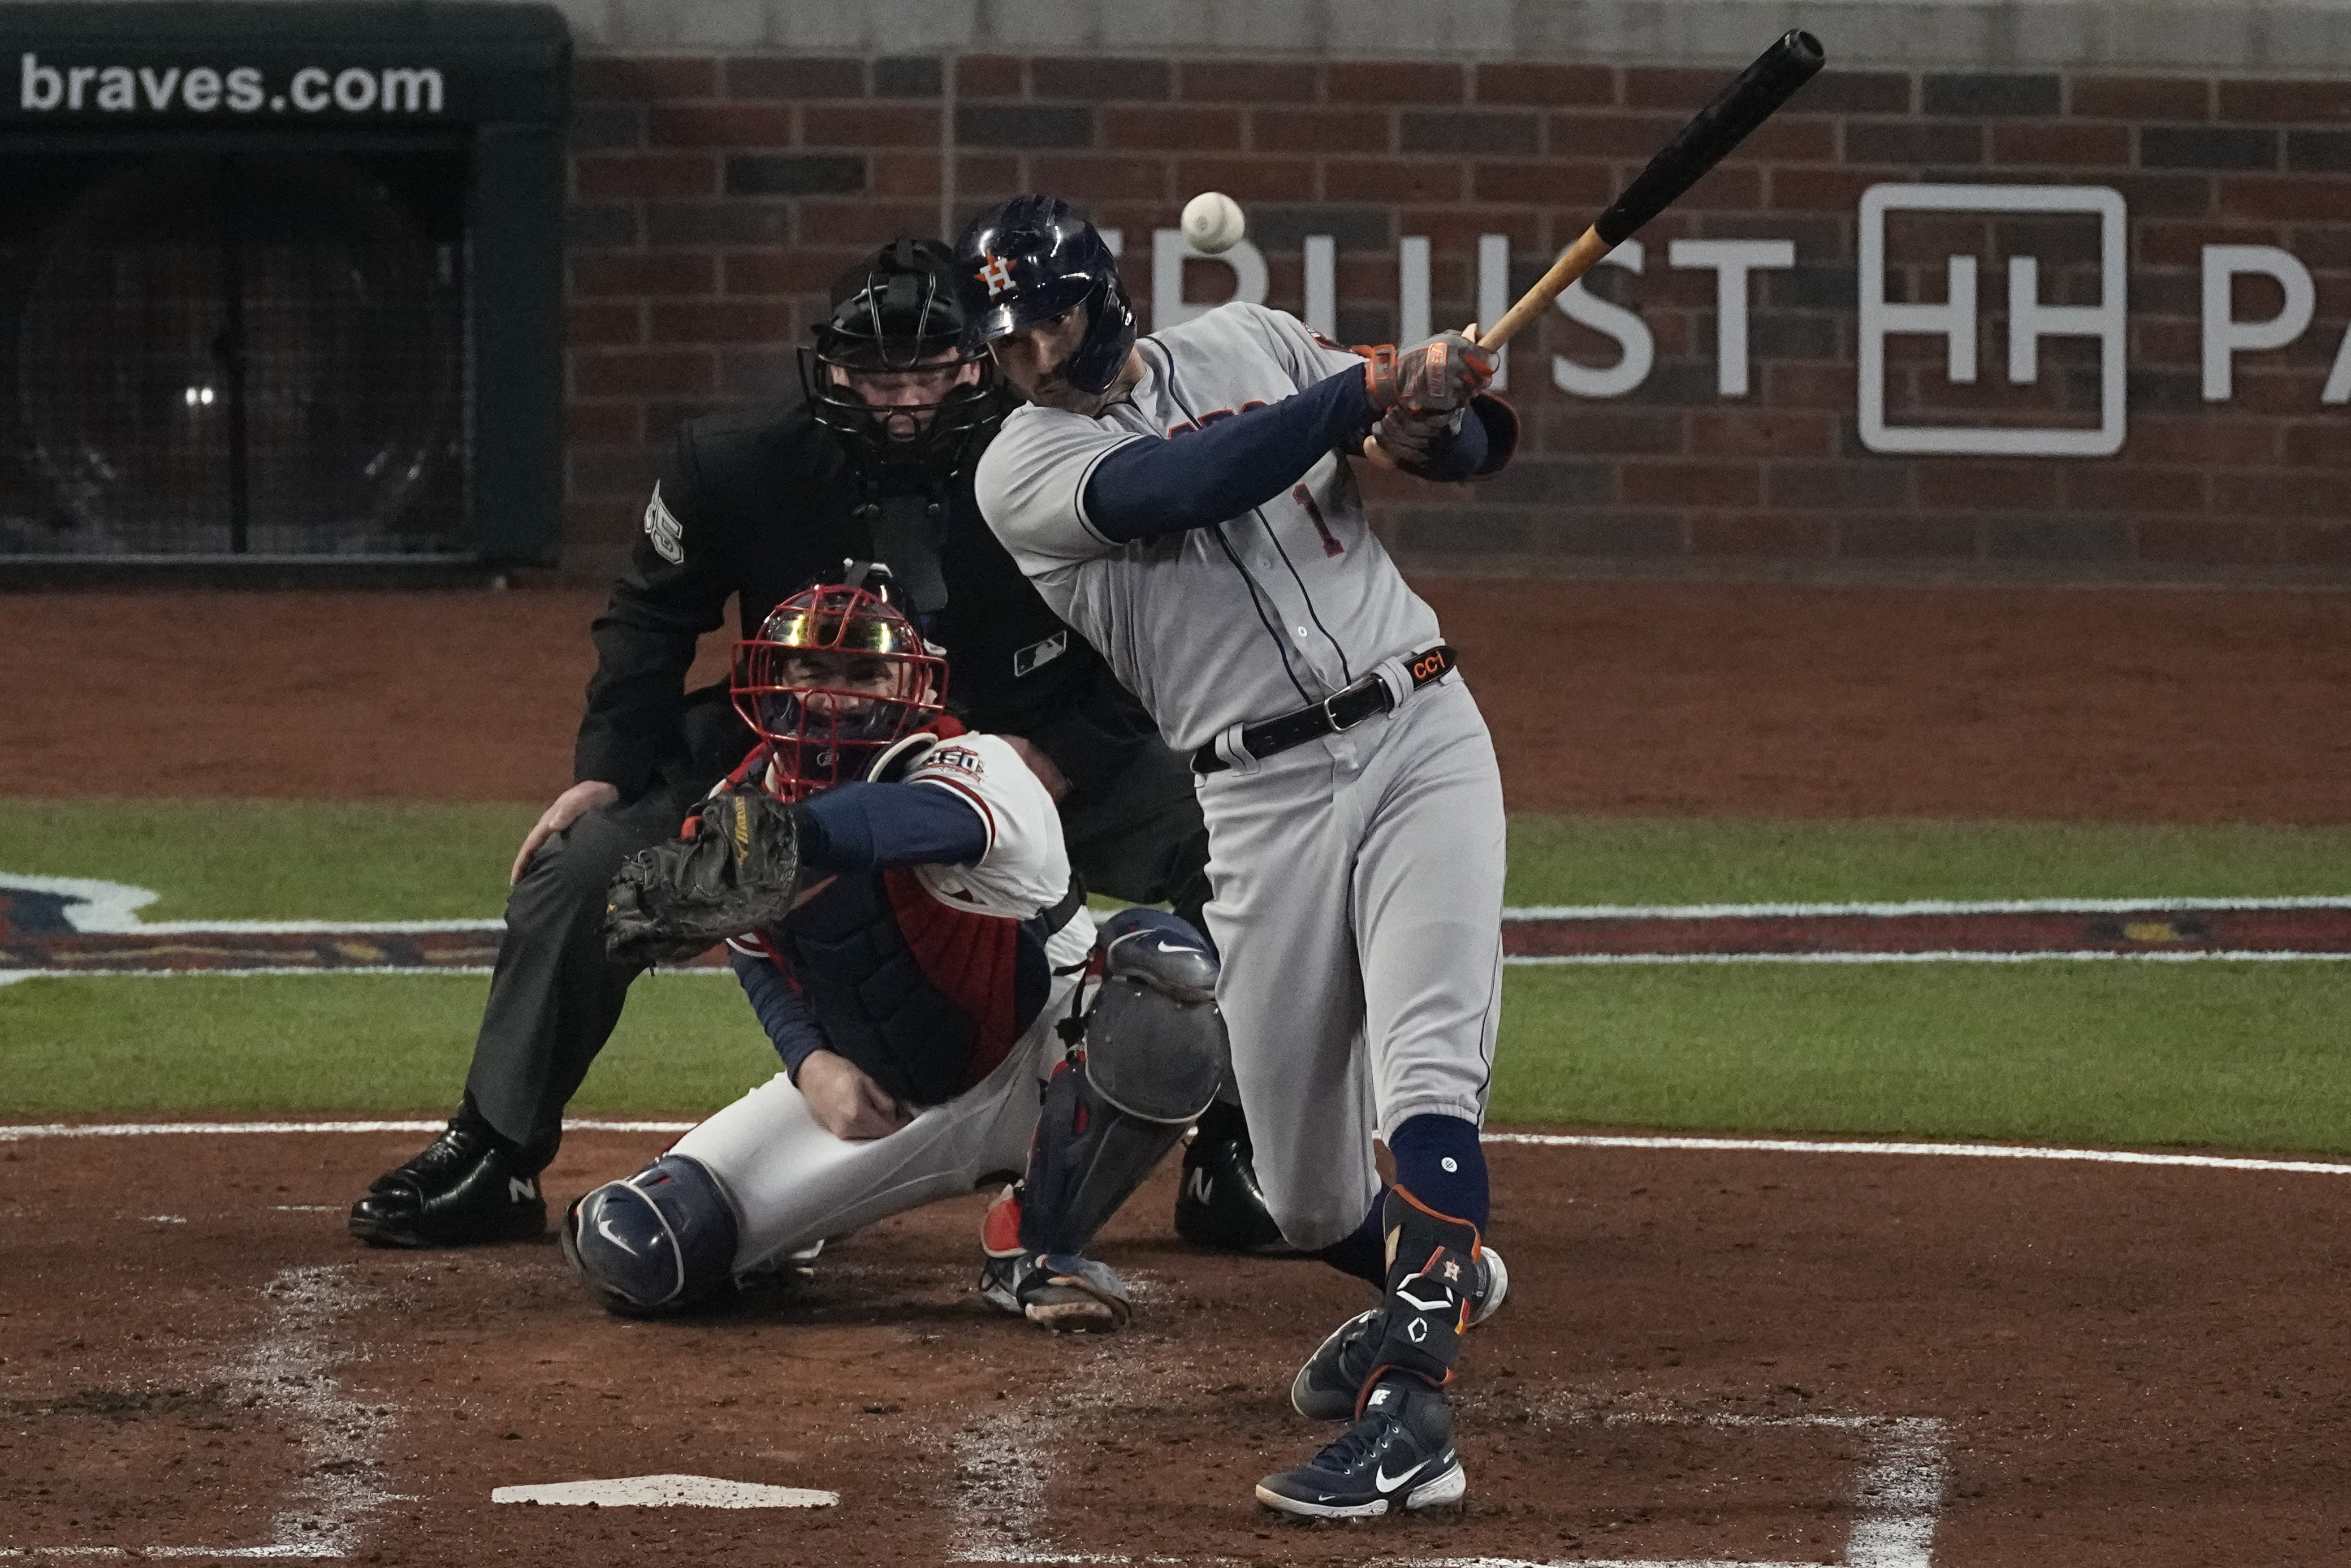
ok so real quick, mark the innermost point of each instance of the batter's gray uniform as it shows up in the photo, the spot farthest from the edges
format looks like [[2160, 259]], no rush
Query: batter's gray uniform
[[1358, 878]]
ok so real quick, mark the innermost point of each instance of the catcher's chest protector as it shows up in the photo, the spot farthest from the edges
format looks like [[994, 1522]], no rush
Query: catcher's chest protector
[[926, 999]]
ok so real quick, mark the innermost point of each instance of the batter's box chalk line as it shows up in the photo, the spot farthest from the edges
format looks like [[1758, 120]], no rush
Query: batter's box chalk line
[[667, 1491], [288, 1372], [1897, 1493]]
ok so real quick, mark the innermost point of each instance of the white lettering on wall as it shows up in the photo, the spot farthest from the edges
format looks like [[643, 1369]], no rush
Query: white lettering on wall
[[1954, 320], [1732, 260], [240, 90], [1322, 264], [1637, 348], [1494, 297], [2225, 337]]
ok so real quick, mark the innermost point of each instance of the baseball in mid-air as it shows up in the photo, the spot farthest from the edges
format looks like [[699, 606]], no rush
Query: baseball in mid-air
[[1213, 223]]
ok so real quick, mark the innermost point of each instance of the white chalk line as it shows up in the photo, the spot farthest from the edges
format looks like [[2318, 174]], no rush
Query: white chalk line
[[1912, 906], [289, 1366], [1549, 1140], [1941, 956]]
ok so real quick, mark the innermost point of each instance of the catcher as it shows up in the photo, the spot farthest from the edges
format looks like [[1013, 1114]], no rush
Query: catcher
[[905, 922]]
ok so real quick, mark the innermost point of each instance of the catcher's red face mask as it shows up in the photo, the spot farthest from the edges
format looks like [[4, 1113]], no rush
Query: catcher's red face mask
[[836, 675]]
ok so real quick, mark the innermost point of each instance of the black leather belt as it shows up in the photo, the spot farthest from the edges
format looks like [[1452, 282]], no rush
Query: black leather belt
[[1367, 699]]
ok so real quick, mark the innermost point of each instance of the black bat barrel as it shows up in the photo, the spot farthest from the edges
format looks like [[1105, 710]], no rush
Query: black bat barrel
[[1720, 126]]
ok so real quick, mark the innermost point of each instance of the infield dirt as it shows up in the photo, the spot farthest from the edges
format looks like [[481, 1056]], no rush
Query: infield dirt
[[1739, 1357]]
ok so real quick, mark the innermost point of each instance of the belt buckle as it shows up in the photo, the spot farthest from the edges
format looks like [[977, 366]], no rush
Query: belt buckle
[[1329, 708]]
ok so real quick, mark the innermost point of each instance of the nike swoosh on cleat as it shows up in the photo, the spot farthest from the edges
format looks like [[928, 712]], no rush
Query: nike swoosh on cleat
[[1388, 1483]]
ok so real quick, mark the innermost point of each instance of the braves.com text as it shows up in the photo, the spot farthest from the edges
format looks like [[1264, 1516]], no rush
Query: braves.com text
[[235, 90]]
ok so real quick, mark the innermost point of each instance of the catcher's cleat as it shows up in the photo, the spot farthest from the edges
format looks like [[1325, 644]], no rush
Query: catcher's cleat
[[1219, 1203], [1327, 1386], [1063, 1291], [1399, 1454], [468, 1186]]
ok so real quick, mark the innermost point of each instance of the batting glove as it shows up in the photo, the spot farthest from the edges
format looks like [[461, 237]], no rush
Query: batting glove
[[1435, 376]]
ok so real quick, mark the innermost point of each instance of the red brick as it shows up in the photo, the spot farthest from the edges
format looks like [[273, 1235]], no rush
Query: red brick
[[1088, 177], [2325, 544], [2140, 98], [905, 175], [604, 424], [1578, 427], [1099, 77], [1368, 82], [728, 323], [2056, 142], [1544, 86], [1691, 484], [1809, 386], [2261, 386], [1735, 186], [637, 273], [797, 269], [1244, 81], [644, 176], [1585, 186], [1766, 534], [601, 522], [603, 325], [857, 125], [2163, 195], [1618, 135], [1155, 128], [2318, 199], [624, 78], [720, 125], [2132, 488], [1820, 189], [2314, 443], [2177, 245], [1294, 130], [1762, 433], [1792, 138], [997, 173], [646, 372], [2159, 343], [2181, 542], [1975, 486], [1392, 179], [1248, 179], [2285, 100], [2215, 438], [988, 76], [861, 223], [1688, 89], [794, 77]]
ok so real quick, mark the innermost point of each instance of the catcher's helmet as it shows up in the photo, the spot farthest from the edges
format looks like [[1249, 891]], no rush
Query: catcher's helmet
[[896, 316], [837, 674], [1029, 259]]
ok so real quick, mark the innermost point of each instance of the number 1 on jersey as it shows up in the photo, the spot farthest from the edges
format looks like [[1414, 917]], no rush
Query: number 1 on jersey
[[1305, 497]]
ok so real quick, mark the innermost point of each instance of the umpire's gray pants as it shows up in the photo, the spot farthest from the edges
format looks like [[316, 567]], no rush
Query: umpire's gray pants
[[1358, 909]]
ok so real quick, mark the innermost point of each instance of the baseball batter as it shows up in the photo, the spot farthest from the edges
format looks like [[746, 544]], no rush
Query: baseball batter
[[1186, 502], [934, 961]]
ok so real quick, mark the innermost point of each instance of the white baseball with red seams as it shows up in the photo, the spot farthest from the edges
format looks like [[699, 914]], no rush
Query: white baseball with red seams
[[1213, 223], [1358, 877]]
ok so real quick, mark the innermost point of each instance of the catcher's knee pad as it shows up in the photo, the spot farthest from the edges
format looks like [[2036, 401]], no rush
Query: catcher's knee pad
[[1153, 1054], [658, 1241]]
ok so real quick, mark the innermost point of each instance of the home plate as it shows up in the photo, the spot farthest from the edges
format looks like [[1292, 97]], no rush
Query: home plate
[[667, 1491]]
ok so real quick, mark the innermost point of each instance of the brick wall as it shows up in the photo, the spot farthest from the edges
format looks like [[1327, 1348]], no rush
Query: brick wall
[[712, 199]]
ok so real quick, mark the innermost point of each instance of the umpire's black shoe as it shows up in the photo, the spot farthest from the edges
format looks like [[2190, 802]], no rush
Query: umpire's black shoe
[[469, 1184], [1398, 1455], [1326, 1387], [1219, 1204]]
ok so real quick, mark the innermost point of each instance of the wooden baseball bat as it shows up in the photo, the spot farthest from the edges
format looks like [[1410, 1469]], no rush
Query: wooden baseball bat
[[1750, 99]]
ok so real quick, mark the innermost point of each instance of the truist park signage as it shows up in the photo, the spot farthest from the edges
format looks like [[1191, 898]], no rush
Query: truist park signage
[[1989, 360]]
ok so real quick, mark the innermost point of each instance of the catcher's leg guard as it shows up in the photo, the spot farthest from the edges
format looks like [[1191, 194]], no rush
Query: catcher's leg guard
[[1153, 1054], [654, 1243]]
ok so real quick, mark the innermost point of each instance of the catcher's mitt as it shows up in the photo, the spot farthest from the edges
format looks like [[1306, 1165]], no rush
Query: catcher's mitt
[[735, 874]]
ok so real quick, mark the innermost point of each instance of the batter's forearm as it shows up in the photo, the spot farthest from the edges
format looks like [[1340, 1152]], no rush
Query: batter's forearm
[[1225, 467]]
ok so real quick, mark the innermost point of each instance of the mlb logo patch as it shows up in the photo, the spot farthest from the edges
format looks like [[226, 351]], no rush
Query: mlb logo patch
[[1027, 659]]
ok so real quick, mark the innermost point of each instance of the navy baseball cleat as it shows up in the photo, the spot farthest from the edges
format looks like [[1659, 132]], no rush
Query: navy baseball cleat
[[469, 1184], [1399, 1454], [1219, 1203], [1326, 1387]]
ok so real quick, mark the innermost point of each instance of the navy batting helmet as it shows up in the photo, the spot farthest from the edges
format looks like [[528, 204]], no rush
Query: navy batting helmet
[[1030, 259]]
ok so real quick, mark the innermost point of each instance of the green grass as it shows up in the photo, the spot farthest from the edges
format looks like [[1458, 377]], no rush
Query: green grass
[[2238, 1056]]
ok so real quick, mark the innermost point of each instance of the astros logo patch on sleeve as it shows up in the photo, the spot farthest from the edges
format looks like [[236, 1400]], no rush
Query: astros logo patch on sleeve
[[667, 533]]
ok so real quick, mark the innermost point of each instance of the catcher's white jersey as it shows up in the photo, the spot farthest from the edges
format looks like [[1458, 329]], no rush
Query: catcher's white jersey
[[1216, 626]]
